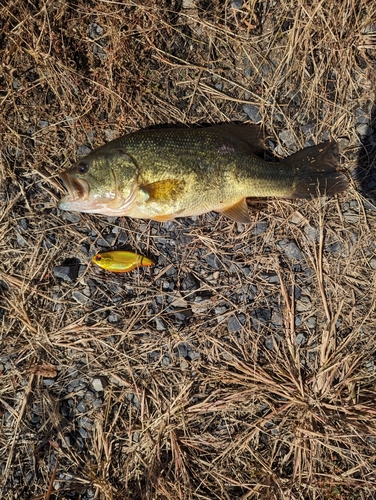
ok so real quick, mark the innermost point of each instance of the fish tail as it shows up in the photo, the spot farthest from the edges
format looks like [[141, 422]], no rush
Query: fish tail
[[316, 171]]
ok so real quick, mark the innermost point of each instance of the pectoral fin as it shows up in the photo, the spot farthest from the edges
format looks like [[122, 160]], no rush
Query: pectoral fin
[[166, 190], [238, 212]]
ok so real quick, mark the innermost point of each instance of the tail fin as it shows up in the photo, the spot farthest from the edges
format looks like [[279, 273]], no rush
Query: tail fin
[[316, 171]]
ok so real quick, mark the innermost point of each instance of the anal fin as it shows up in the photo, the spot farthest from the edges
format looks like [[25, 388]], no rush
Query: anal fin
[[238, 212]]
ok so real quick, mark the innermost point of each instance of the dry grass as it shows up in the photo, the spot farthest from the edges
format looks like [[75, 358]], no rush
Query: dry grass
[[281, 408]]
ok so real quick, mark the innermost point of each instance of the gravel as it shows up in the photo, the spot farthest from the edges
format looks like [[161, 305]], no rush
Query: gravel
[[252, 112], [291, 249]]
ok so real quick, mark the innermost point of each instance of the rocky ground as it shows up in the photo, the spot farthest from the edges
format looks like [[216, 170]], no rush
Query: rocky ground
[[241, 365]]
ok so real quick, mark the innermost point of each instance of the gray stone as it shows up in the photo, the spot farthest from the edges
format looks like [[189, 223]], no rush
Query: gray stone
[[300, 339], [234, 324], [182, 350], [311, 322], [80, 297], [83, 150], [260, 228], [81, 407], [291, 249], [166, 360], [213, 261], [20, 240], [83, 432], [253, 113], [73, 217], [67, 273], [160, 325], [99, 383], [23, 224], [304, 304], [113, 318], [364, 130], [312, 233], [269, 342], [94, 31], [236, 4], [287, 137], [335, 248], [309, 130], [190, 283]]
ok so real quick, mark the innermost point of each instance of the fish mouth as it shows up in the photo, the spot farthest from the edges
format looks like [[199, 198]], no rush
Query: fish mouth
[[78, 189]]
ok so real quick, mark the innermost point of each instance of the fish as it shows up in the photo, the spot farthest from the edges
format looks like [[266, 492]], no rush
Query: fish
[[162, 174], [121, 261]]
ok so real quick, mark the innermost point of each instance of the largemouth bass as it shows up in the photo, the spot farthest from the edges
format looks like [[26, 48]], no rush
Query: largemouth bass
[[166, 173]]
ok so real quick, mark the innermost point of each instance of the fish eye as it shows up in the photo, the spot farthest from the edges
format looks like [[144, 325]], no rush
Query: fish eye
[[82, 167]]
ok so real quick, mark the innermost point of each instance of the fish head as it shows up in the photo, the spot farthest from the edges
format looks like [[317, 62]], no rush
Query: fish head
[[104, 182], [104, 260]]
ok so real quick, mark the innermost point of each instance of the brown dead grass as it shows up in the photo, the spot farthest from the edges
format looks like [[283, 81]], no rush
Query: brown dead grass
[[252, 414]]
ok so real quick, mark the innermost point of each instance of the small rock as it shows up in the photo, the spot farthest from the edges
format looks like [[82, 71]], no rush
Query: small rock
[[213, 261], [160, 325], [335, 248], [309, 130], [253, 113], [20, 240], [364, 130], [236, 4], [311, 322], [113, 318], [361, 116], [80, 297], [109, 134], [67, 273], [290, 249], [300, 339], [304, 304], [269, 342], [234, 324], [73, 217], [81, 407], [166, 360], [94, 31], [190, 283], [83, 150], [183, 316], [23, 224], [260, 228], [312, 233], [83, 432], [182, 350], [287, 137], [99, 383]]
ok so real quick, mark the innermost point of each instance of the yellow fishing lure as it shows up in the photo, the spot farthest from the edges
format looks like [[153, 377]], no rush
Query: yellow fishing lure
[[120, 261]]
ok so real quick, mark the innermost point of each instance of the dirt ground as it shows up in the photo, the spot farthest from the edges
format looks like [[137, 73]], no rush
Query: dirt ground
[[241, 365]]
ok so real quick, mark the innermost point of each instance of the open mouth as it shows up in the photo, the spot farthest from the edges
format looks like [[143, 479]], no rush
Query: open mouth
[[78, 189]]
